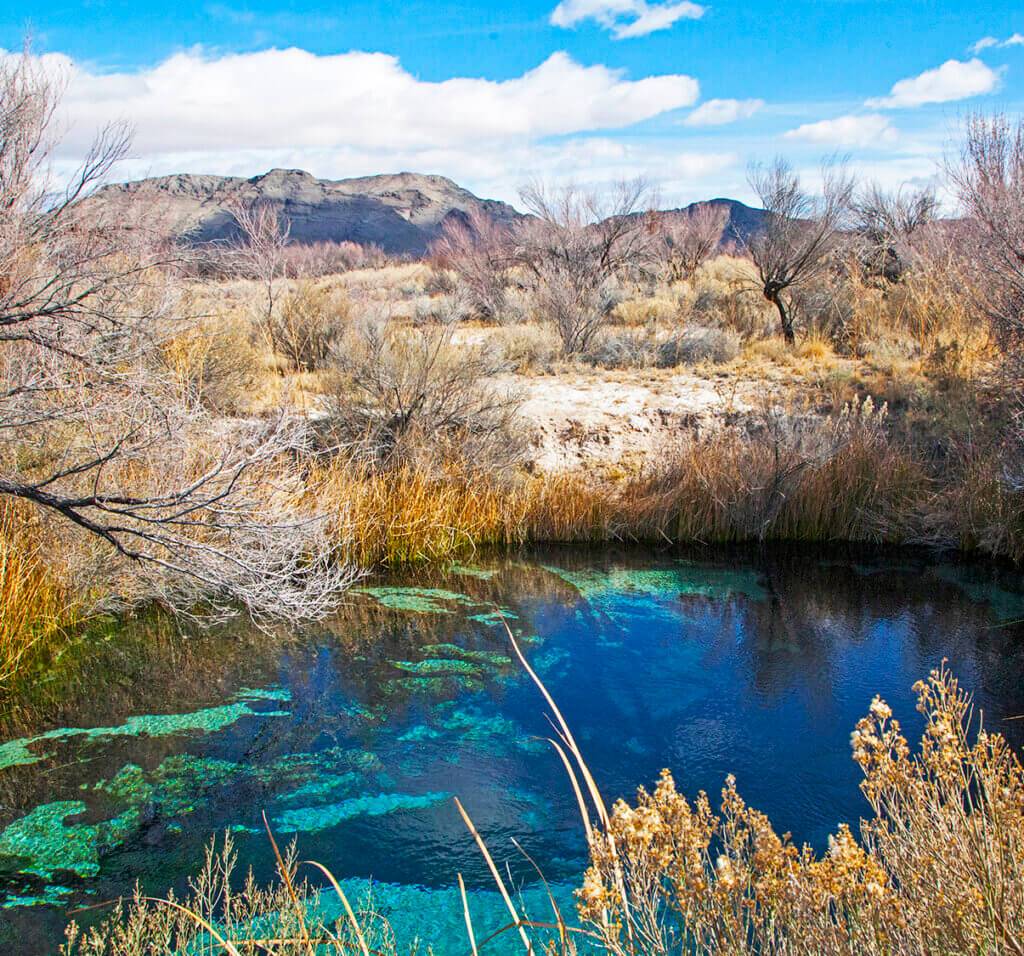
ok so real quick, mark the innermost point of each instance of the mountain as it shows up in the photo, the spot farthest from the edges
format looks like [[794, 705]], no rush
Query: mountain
[[741, 223], [403, 213]]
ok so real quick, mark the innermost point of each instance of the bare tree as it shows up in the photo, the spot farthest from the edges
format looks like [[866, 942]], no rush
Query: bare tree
[[478, 249], [262, 252], [576, 246], [889, 225], [93, 429], [688, 237], [988, 176], [800, 230]]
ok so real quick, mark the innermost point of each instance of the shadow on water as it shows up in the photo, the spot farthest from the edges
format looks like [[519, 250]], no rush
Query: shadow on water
[[354, 735]]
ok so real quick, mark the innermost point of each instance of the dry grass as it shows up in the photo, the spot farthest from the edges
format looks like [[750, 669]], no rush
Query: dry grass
[[940, 868], [410, 516], [35, 608]]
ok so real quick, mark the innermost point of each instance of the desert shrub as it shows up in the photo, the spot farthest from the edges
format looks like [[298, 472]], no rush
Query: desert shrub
[[316, 259], [654, 310], [620, 349], [214, 364], [413, 395], [696, 344], [304, 324], [939, 869], [527, 348], [445, 308]]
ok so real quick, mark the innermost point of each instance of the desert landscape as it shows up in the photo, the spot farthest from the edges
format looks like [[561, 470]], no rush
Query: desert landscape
[[336, 512]]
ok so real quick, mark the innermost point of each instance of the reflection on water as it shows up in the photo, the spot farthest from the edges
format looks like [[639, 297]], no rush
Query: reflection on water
[[353, 737]]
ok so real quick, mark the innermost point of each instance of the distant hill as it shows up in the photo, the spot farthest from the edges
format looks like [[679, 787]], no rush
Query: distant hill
[[402, 213]]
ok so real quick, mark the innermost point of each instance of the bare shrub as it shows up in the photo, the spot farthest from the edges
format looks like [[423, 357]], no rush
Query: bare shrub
[[306, 321], [576, 248], [479, 251], [620, 349], [800, 231], [696, 344], [527, 348], [888, 224], [686, 238], [314, 260], [93, 429], [261, 252], [415, 395], [988, 176]]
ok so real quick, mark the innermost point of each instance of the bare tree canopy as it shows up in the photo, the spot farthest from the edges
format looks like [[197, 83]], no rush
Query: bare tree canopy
[[577, 244], [479, 251], [800, 230], [92, 426], [988, 176], [689, 237], [890, 225]]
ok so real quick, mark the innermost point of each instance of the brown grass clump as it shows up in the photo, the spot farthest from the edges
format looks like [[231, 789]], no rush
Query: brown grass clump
[[940, 868], [408, 515]]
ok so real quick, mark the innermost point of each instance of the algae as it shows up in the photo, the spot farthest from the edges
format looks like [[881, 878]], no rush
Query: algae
[[437, 667], [314, 819], [418, 600]]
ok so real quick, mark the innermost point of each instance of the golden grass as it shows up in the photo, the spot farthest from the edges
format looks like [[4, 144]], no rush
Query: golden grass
[[410, 516], [34, 607]]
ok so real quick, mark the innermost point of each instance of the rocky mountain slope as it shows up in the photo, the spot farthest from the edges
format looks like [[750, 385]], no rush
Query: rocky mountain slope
[[402, 213]]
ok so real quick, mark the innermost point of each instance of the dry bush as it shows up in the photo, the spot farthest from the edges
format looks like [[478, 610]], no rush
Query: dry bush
[[800, 232], [576, 248], [619, 348], [305, 322], [686, 238], [316, 259], [213, 364], [527, 348], [412, 394], [479, 251], [695, 344], [646, 310], [940, 868]]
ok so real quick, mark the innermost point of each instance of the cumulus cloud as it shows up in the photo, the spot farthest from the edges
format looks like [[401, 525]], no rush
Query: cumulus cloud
[[277, 97], [362, 113], [720, 112], [625, 18], [988, 43], [869, 129], [954, 80]]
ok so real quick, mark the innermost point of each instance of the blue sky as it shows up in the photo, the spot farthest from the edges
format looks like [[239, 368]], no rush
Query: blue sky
[[684, 92]]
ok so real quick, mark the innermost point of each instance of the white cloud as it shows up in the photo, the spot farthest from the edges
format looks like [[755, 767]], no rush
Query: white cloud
[[869, 129], [276, 97], [720, 112], [987, 43], [954, 80], [363, 113], [625, 18]]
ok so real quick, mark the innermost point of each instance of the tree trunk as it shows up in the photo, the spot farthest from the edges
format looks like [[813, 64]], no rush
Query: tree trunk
[[784, 318]]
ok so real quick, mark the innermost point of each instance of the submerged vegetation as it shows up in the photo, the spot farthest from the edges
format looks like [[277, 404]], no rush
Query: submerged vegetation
[[937, 868]]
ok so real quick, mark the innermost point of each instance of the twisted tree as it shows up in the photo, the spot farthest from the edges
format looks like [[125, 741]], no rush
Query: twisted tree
[[800, 230]]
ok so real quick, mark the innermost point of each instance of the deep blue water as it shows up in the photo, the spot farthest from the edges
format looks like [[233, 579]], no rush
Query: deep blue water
[[354, 736]]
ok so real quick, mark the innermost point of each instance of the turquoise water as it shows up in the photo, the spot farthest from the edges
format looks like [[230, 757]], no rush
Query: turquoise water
[[354, 737]]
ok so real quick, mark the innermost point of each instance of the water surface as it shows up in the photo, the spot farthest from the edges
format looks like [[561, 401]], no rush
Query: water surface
[[354, 736]]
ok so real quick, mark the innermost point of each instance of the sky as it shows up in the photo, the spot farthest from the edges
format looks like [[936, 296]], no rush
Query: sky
[[685, 93]]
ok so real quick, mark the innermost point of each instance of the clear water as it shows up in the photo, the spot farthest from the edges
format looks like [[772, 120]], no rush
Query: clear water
[[354, 736]]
